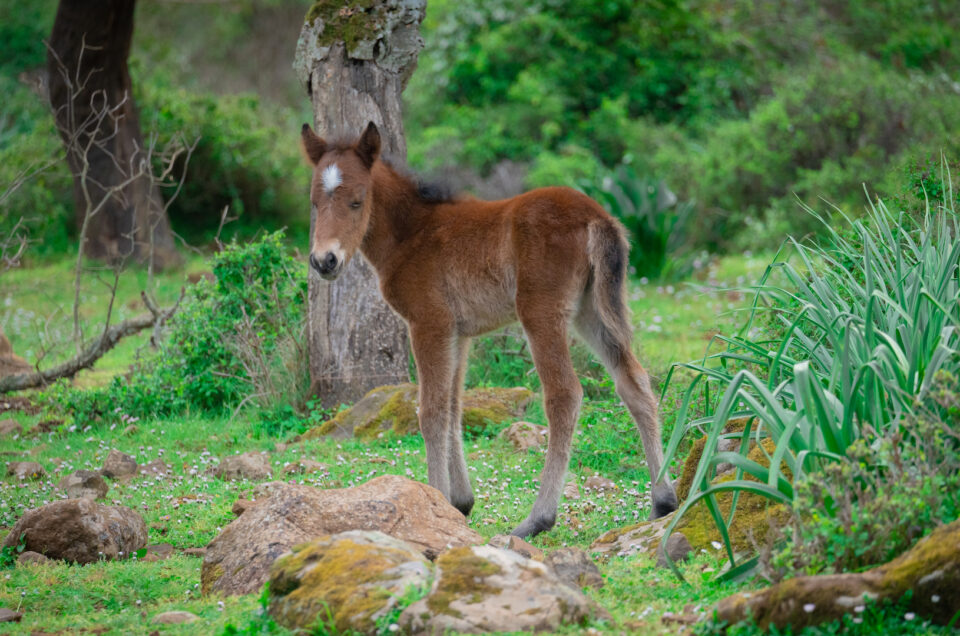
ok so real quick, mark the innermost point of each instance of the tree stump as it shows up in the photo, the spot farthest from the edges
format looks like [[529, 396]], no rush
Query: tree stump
[[354, 59]]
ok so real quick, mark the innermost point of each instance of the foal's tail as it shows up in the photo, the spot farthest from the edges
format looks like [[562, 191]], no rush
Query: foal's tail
[[608, 248]]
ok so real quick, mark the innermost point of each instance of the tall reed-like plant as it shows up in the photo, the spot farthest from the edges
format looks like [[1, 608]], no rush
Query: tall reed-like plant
[[863, 321]]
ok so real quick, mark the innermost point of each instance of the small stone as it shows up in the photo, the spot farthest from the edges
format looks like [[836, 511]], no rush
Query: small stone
[[9, 616], [524, 435], [305, 467], [10, 427], [250, 465], [571, 491], [574, 567], [130, 430], [119, 465], [175, 617], [84, 484], [678, 548], [280, 447], [31, 558], [158, 552], [518, 545], [596, 482], [242, 505], [195, 552], [154, 468], [25, 470]]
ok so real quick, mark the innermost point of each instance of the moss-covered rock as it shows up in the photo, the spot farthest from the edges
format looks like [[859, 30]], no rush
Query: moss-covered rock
[[393, 409], [347, 581], [488, 589], [931, 570], [755, 517]]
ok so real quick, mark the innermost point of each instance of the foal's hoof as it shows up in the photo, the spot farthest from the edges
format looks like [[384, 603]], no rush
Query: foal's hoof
[[532, 527], [664, 500], [464, 506]]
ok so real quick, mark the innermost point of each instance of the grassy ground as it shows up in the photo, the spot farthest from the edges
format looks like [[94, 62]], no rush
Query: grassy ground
[[188, 508]]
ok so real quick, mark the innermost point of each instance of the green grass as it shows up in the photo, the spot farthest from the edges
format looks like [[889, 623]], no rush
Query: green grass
[[188, 508]]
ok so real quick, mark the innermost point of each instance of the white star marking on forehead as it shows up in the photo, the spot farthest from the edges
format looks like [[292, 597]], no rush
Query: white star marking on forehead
[[331, 178]]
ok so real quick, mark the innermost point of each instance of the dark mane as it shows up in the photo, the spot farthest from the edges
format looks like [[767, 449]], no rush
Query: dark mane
[[427, 191]]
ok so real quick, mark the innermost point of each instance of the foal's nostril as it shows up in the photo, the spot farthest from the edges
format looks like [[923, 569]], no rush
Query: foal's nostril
[[315, 264], [329, 262]]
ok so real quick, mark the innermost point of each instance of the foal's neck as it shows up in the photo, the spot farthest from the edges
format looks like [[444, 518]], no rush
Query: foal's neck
[[398, 214]]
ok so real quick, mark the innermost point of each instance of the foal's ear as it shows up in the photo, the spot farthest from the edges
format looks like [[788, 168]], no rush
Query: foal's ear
[[369, 145], [313, 146]]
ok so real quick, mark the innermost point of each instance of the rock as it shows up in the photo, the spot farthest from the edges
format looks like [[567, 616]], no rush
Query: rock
[[155, 468], [280, 447], [596, 482], [196, 277], [129, 430], [80, 531], [524, 435], [755, 517], [394, 408], [25, 470], [251, 465], [197, 552], [305, 467], [678, 548], [28, 557], [242, 505], [10, 427], [571, 491], [348, 581], [930, 569], [84, 484], [238, 560], [9, 616], [175, 617], [574, 567], [486, 589], [518, 545], [11, 363], [158, 552], [119, 465]]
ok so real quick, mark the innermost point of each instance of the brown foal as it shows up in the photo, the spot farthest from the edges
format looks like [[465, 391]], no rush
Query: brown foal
[[454, 268]]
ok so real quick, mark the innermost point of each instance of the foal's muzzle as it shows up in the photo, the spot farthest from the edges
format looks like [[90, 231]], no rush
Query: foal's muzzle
[[328, 267]]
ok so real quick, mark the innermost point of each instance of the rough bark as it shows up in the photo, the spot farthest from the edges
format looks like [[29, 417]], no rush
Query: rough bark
[[87, 68], [354, 64]]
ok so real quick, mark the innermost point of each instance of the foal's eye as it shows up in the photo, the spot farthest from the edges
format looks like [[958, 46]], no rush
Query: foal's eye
[[355, 205]]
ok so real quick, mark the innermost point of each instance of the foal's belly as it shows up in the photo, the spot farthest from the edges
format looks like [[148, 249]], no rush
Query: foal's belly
[[482, 303]]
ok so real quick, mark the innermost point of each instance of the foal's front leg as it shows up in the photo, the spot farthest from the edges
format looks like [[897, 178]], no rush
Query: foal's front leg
[[461, 494], [433, 352]]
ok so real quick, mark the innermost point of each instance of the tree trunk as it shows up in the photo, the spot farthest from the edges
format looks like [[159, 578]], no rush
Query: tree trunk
[[91, 97], [354, 63]]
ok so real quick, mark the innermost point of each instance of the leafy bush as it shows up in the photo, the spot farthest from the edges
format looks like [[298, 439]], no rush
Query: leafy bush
[[235, 341], [239, 160], [866, 323]]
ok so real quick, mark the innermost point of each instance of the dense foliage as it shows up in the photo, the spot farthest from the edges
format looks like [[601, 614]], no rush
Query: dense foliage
[[862, 324]]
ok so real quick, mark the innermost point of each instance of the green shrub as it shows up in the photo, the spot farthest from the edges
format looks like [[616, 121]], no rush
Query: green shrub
[[867, 321], [247, 157], [235, 341]]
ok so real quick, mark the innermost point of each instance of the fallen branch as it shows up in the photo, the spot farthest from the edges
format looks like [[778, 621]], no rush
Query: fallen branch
[[92, 352]]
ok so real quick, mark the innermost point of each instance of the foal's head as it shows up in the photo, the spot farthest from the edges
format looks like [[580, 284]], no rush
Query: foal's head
[[340, 192]]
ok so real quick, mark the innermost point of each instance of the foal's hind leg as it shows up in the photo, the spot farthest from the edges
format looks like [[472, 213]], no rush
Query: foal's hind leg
[[633, 387], [461, 494], [561, 398], [433, 351]]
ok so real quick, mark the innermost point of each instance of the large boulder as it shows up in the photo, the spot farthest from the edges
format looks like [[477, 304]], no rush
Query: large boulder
[[250, 465], [238, 560], [87, 484], [348, 580], [394, 408], [80, 531], [487, 589], [930, 570]]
